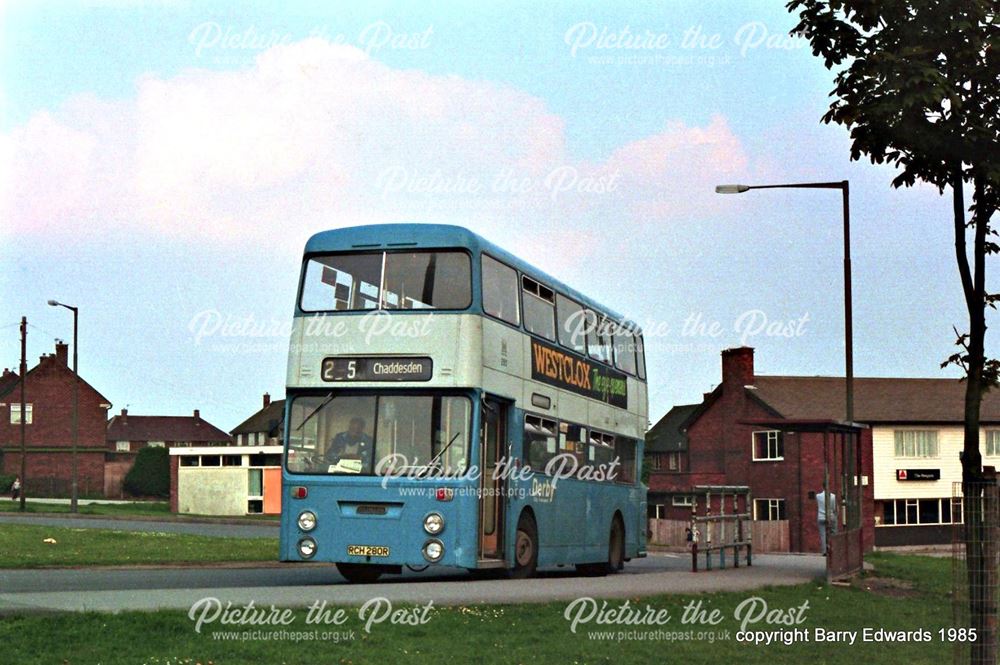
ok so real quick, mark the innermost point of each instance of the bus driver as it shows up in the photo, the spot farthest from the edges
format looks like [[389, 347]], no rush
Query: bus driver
[[353, 443]]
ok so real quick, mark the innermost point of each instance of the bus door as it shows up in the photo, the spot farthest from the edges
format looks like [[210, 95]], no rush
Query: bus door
[[492, 450]]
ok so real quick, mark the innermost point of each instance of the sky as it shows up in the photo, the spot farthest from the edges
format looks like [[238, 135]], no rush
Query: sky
[[162, 165]]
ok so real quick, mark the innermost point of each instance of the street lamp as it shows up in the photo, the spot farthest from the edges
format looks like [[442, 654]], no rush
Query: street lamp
[[76, 403], [848, 317]]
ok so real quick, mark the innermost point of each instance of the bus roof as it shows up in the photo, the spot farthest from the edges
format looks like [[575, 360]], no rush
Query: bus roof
[[438, 236]]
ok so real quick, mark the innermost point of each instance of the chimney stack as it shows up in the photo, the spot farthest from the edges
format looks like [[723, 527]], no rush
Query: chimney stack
[[124, 416], [737, 367], [197, 414], [62, 353], [267, 400]]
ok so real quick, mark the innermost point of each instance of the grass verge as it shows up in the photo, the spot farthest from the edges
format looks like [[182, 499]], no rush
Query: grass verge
[[526, 633], [24, 546]]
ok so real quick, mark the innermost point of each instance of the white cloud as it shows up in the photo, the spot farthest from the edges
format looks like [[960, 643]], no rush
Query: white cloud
[[317, 135]]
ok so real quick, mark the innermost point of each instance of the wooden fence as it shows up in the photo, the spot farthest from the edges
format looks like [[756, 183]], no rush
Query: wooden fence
[[771, 536]]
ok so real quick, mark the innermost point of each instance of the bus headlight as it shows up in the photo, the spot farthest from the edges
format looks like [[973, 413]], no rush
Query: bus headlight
[[434, 523], [307, 548], [433, 550], [307, 520]]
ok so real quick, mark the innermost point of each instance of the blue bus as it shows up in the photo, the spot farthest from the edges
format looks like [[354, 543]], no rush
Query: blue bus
[[450, 405]]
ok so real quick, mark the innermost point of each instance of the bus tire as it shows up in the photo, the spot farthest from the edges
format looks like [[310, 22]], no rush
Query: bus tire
[[359, 573], [525, 548], [616, 546]]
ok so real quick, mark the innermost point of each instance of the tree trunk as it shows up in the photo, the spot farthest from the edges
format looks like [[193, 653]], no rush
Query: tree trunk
[[980, 551]]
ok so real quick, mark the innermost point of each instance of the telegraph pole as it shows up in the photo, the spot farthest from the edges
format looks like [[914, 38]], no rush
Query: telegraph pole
[[24, 413]]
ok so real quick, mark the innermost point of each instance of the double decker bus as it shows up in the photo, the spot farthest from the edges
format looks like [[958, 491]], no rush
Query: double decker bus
[[450, 405]]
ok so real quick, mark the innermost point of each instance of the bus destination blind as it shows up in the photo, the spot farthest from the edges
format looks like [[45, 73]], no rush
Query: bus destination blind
[[377, 369]]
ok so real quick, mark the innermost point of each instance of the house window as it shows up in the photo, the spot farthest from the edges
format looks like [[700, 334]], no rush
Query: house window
[[239, 439], [15, 414], [674, 461], [683, 500], [256, 483], [916, 443], [993, 442], [769, 510], [122, 446], [909, 512], [768, 446], [155, 444]]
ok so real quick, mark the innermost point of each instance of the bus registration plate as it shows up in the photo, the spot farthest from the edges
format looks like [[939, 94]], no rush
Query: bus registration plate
[[367, 550]]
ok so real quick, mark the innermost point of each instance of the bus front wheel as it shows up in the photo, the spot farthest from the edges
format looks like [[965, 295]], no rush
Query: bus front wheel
[[359, 573], [525, 549]]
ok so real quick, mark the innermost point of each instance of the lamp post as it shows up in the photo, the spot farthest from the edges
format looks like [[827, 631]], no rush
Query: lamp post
[[848, 316], [76, 403]]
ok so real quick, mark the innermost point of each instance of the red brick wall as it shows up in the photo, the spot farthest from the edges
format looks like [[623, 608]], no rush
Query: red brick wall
[[720, 452], [174, 465], [49, 389]]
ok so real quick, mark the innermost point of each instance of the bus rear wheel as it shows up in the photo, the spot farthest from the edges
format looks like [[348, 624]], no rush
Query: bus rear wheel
[[525, 549], [359, 573], [616, 547], [616, 554]]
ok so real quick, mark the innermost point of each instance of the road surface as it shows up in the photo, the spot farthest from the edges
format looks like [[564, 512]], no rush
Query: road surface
[[299, 585]]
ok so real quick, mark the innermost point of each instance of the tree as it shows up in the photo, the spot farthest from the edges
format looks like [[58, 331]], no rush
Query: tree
[[918, 85], [150, 474]]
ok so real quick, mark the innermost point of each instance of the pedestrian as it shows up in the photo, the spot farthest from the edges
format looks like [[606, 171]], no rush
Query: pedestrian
[[826, 504], [15, 488]]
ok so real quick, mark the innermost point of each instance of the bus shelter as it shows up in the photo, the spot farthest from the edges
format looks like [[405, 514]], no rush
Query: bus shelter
[[843, 475]]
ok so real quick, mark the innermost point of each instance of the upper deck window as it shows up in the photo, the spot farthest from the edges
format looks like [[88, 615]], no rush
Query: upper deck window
[[572, 324], [500, 291], [539, 309], [426, 280], [387, 280], [599, 341], [624, 350]]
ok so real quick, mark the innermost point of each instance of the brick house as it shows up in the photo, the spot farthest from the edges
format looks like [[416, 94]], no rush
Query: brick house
[[49, 428], [717, 443], [265, 427], [127, 434], [911, 447], [666, 443]]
